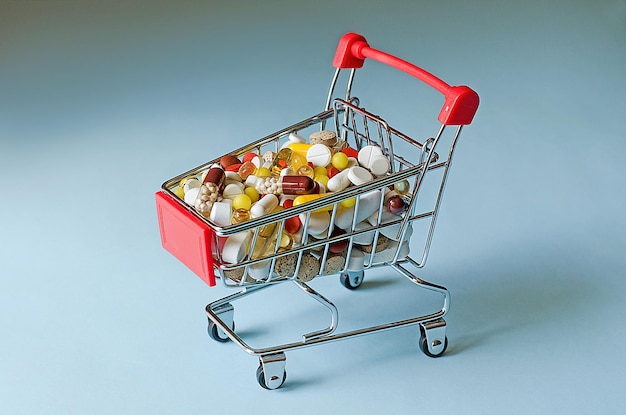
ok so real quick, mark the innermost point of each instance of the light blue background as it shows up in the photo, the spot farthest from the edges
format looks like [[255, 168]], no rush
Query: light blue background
[[101, 102]]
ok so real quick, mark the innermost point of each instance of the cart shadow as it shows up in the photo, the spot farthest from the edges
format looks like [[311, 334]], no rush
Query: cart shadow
[[497, 306], [492, 306]]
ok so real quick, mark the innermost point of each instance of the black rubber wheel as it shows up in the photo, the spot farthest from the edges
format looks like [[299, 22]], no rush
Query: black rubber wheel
[[214, 333], [260, 377], [424, 346], [344, 278]]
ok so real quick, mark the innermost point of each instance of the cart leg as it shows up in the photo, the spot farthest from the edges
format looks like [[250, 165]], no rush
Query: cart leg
[[271, 373], [433, 340], [226, 313], [334, 314]]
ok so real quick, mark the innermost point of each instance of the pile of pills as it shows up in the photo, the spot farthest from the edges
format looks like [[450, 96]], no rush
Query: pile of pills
[[247, 186]]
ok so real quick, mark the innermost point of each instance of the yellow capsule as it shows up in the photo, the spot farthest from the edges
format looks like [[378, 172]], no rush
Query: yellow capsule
[[299, 148], [302, 199], [348, 203]]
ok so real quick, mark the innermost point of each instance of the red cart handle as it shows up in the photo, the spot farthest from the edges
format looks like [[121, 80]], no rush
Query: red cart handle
[[461, 102]]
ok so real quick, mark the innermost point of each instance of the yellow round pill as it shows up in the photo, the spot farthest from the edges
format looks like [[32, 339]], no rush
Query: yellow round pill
[[322, 179], [339, 160], [320, 171], [242, 201], [348, 203], [263, 172], [252, 193]]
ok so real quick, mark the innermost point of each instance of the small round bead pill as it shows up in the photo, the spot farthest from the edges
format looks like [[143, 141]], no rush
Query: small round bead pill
[[339, 161], [396, 204], [402, 187]]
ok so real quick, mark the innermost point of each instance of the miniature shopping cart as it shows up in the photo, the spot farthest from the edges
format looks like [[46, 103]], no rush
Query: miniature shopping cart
[[417, 174]]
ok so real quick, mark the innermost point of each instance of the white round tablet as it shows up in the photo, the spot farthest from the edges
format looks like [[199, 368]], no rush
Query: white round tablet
[[359, 175], [379, 165], [319, 155], [367, 153]]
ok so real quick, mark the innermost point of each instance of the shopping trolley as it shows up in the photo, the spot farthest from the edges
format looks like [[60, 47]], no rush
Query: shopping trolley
[[371, 235]]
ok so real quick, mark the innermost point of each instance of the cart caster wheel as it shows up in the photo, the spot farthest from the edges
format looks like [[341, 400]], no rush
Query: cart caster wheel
[[260, 377], [351, 279], [436, 344], [216, 334]]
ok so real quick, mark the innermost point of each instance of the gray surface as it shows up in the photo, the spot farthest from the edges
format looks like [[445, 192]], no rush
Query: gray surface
[[102, 102]]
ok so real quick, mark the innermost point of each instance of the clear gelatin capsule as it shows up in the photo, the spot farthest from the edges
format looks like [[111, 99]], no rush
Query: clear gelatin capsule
[[281, 161]]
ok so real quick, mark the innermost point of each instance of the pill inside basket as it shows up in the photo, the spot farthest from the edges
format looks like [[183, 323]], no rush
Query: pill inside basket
[[326, 233]]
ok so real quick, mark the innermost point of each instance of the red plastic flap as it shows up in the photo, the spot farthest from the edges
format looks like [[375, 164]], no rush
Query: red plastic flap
[[186, 237]]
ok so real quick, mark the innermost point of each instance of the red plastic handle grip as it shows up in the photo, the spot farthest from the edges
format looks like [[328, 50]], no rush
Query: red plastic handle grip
[[461, 102]]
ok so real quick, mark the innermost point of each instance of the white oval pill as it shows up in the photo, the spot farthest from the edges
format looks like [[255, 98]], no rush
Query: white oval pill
[[339, 181], [232, 190], [319, 155], [265, 205], [260, 270], [295, 138], [191, 195], [359, 175], [236, 247], [379, 165], [368, 204], [233, 175]]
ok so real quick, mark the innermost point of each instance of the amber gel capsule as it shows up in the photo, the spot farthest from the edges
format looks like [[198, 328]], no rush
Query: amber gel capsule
[[288, 185]]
